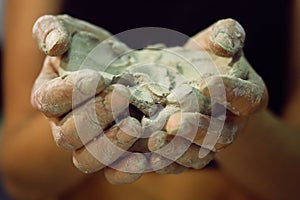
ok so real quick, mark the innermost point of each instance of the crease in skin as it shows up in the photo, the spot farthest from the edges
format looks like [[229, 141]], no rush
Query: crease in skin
[[191, 158], [59, 138], [52, 94], [82, 124], [117, 177], [47, 103], [117, 100], [105, 112], [224, 139], [169, 147], [127, 170], [108, 147], [162, 165], [244, 96], [188, 158]]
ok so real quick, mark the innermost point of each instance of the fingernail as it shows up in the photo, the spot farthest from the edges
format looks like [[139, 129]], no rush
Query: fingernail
[[56, 43], [52, 39], [225, 41], [227, 38]]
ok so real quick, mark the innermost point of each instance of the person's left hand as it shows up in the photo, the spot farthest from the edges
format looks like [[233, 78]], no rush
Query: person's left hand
[[245, 94]]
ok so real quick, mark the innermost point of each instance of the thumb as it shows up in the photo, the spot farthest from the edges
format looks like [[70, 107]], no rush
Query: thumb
[[224, 38], [53, 33]]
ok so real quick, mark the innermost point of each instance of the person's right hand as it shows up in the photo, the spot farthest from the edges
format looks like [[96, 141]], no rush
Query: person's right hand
[[73, 126]]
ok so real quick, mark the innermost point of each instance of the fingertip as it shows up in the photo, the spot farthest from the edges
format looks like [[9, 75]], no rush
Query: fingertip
[[157, 140], [116, 177], [130, 129], [56, 43], [118, 98], [173, 123], [126, 170], [51, 35], [59, 137], [242, 97], [227, 37], [195, 157], [224, 38], [85, 161], [163, 165]]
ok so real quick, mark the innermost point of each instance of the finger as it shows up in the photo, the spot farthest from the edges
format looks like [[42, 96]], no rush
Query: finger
[[53, 95], [48, 72], [128, 170], [108, 147], [244, 97], [180, 150], [224, 38], [214, 135], [163, 165], [91, 118], [53, 33], [192, 159]]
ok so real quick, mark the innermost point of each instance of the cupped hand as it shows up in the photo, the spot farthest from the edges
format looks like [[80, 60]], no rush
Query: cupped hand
[[244, 92], [86, 127]]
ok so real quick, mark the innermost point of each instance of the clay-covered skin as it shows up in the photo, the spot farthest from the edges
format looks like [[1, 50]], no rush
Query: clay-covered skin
[[53, 33], [169, 93], [163, 81]]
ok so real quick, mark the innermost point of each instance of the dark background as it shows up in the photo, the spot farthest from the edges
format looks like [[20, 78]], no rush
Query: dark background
[[266, 23]]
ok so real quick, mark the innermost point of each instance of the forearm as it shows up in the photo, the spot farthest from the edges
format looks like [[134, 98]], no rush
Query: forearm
[[292, 109], [265, 158], [22, 60], [31, 162]]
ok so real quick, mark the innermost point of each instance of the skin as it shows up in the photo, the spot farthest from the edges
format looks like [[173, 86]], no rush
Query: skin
[[52, 95], [231, 181]]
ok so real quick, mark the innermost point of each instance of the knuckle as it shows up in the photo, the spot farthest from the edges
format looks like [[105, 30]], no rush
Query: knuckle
[[40, 102], [87, 82]]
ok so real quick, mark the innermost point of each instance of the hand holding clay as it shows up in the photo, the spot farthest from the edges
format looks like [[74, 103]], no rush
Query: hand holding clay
[[87, 87], [244, 90], [52, 94]]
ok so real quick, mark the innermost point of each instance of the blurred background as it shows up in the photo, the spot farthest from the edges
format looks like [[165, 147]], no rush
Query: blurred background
[[266, 24], [3, 194]]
